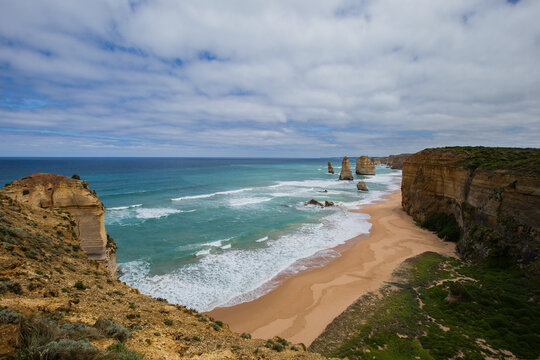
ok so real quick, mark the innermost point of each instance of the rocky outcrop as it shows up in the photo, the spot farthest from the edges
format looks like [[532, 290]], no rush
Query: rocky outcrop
[[330, 168], [57, 192], [314, 202], [397, 161], [493, 193], [376, 160], [362, 186], [317, 203], [364, 166], [346, 173]]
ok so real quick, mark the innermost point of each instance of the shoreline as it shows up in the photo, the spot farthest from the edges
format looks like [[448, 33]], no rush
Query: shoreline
[[302, 305]]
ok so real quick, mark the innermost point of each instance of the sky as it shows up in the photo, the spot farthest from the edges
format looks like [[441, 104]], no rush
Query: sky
[[255, 78]]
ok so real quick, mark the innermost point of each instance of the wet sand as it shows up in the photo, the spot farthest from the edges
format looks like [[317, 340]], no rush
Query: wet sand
[[304, 304]]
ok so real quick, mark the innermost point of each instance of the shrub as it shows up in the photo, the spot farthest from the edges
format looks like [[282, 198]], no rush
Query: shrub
[[168, 322], [25, 192], [79, 331], [9, 317], [12, 286], [68, 349], [245, 336], [118, 351], [112, 329], [271, 344], [34, 333], [80, 285]]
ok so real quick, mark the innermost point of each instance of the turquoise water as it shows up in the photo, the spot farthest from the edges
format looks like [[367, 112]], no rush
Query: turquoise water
[[210, 232]]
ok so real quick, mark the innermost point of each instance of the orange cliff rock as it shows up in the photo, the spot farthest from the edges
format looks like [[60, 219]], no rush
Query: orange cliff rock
[[364, 166], [494, 194], [346, 173], [57, 192]]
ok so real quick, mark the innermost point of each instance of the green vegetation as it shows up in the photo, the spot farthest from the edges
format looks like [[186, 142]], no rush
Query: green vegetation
[[445, 225], [442, 308], [69, 341], [80, 285], [8, 316], [523, 161], [112, 329]]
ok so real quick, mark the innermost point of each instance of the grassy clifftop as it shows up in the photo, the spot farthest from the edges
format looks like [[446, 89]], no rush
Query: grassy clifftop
[[525, 161]]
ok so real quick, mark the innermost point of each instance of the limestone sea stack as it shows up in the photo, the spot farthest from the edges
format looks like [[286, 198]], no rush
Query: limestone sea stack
[[73, 196], [346, 173], [361, 186], [376, 160], [364, 166], [330, 168]]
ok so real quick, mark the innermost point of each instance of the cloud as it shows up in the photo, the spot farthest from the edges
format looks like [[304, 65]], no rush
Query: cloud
[[281, 78]]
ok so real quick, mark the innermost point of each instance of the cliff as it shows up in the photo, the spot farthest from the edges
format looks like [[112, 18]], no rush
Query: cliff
[[493, 193], [49, 191], [364, 166], [56, 300], [397, 161], [346, 173]]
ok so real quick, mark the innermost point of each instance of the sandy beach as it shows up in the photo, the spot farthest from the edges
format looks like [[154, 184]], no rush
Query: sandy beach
[[303, 305]]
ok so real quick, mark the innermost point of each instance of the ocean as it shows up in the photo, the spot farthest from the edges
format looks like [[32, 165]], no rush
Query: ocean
[[207, 232]]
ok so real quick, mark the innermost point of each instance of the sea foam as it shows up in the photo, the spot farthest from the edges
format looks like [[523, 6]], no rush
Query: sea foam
[[240, 274]]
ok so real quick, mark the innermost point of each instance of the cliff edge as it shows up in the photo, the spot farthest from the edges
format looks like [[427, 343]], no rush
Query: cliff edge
[[57, 192], [493, 194], [58, 303]]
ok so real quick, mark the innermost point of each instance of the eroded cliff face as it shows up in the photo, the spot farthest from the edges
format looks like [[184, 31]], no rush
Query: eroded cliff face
[[57, 192], [497, 204], [364, 166], [397, 161]]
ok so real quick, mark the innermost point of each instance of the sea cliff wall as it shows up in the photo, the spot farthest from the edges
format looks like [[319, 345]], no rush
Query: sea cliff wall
[[494, 194], [57, 192]]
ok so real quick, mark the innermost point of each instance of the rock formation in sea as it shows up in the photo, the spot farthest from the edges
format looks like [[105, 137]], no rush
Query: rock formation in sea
[[376, 160], [362, 186], [397, 161], [328, 203], [493, 194], [330, 168], [73, 196], [364, 166], [346, 173], [314, 202]]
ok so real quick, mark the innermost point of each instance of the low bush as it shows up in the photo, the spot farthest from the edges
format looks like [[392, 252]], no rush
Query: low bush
[[9, 317], [10, 286], [112, 329], [79, 331], [68, 349]]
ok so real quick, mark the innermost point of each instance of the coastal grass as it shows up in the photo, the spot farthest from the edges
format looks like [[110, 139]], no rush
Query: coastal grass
[[42, 337], [520, 160], [441, 308]]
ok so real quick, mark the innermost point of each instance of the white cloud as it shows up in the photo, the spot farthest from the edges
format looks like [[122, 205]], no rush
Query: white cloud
[[257, 77]]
